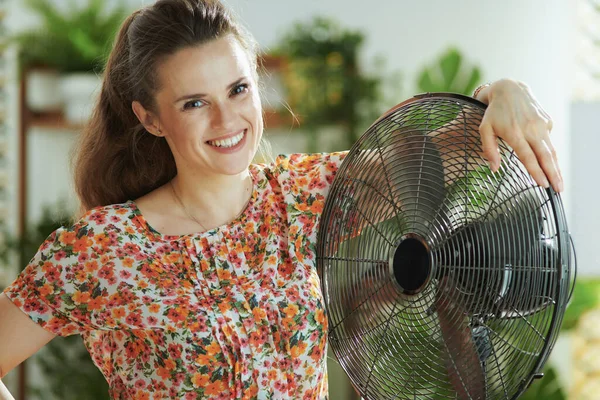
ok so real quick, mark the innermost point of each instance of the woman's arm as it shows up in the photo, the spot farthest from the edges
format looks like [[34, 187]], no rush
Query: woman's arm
[[4, 393], [20, 337]]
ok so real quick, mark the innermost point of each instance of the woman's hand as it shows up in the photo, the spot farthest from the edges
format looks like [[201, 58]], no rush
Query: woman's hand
[[514, 115]]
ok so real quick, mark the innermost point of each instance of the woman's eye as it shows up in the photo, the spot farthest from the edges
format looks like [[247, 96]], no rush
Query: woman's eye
[[241, 88], [193, 104]]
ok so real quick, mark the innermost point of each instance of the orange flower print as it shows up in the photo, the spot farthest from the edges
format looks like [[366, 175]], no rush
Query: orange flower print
[[213, 348], [317, 207], [259, 314], [291, 310], [142, 396], [251, 392], [223, 274], [102, 240], [81, 297], [204, 359], [214, 388], [298, 349], [119, 312], [82, 244], [68, 238], [163, 373], [199, 380], [96, 303], [45, 290], [320, 316]]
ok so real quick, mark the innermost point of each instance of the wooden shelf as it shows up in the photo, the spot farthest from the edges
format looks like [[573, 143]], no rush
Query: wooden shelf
[[279, 120], [51, 120]]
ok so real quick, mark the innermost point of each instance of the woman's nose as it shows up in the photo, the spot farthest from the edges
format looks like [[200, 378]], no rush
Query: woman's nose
[[222, 116]]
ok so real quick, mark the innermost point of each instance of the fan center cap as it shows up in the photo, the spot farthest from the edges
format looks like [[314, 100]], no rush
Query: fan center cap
[[411, 263]]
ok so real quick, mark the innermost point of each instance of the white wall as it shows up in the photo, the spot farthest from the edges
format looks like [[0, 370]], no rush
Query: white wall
[[585, 184]]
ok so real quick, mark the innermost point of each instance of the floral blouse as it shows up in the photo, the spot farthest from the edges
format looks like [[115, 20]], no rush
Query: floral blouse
[[233, 312]]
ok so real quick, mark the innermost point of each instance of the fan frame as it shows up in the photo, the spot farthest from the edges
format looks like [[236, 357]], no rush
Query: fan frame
[[566, 249]]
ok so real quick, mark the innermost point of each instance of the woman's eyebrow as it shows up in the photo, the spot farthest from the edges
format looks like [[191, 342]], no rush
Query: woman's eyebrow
[[200, 95]]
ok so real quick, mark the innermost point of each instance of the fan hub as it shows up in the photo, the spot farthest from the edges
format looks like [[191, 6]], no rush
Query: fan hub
[[411, 263]]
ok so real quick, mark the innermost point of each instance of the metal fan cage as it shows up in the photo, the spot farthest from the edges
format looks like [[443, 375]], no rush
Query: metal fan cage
[[414, 204]]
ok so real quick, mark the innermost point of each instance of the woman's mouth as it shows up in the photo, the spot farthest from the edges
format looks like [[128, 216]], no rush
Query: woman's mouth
[[230, 144]]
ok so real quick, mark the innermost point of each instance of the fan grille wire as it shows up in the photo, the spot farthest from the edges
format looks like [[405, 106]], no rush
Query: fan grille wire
[[496, 236]]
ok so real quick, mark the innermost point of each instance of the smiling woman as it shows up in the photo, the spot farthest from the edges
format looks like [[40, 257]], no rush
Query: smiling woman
[[209, 114], [191, 272]]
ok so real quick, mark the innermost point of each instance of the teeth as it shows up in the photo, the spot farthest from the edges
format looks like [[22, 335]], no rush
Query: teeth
[[230, 142]]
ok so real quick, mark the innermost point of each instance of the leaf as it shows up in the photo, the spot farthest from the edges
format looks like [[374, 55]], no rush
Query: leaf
[[425, 82], [585, 297], [473, 81], [75, 40], [449, 73], [450, 65]]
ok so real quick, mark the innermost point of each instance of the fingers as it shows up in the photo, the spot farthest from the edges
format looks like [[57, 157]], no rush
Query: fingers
[[546, 156], [529, 160], [529, 138], [489, 143]]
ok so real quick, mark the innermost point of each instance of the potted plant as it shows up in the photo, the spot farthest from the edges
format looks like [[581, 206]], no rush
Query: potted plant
[[75, 43], [324, 82]]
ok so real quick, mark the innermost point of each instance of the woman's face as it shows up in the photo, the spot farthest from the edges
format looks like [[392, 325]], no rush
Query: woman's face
[[209, 108]]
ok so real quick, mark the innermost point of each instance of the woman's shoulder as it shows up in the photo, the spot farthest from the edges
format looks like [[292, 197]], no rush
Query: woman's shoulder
[[112, 214], [116, 219], [303, 163], [304, 173]]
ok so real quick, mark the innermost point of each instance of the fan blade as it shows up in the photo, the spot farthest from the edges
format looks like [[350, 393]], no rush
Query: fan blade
[[463, 363], [503, 262], [417, 179]]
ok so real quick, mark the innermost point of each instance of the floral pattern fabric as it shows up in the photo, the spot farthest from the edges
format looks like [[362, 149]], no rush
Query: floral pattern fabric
[[233, 312]]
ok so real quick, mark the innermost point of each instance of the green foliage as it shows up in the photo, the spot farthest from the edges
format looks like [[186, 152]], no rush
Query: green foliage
[[449, 73], [468, 188], [547, 388], [25, 246], [70, 372], [586, 296], [323, 80], [77, 41]]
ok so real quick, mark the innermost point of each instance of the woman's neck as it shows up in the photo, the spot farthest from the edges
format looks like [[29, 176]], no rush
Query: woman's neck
[[212, 200]]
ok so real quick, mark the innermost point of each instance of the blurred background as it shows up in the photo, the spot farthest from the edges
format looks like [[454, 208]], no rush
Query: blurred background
[[337, 64]]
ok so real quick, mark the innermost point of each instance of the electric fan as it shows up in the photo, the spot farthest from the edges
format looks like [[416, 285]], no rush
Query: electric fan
[[441, 279]]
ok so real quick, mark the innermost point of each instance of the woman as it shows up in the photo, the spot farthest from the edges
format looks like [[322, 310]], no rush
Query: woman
[[192, 272]]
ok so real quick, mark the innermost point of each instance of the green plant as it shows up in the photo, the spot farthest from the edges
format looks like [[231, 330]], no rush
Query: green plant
[[69, 371], [547, 388], [323, 79], [25, 246], [586, 296], [449, 73], [75, 41]]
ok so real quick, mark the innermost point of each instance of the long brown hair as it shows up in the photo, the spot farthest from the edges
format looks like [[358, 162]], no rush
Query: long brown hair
[[116, 159]]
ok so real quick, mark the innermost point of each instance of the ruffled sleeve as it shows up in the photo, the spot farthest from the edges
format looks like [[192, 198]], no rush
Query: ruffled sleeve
[[305, 180], [62, 287]]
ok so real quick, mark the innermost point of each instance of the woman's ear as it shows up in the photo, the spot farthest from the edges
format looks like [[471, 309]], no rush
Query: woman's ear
[[147, 119]]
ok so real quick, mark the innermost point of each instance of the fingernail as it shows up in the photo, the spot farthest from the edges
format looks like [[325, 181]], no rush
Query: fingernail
[[561, 186]]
